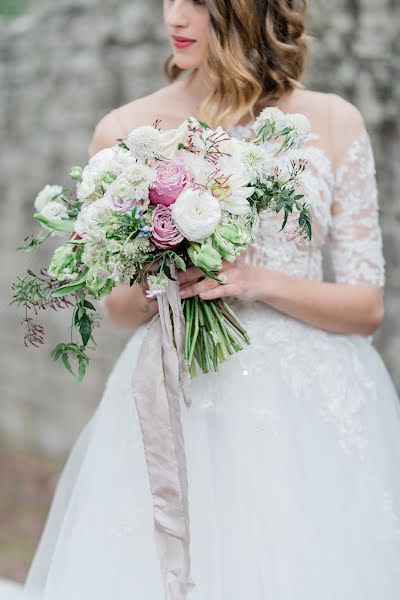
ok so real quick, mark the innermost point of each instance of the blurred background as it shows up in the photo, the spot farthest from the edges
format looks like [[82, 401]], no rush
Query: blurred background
[[63, 65]]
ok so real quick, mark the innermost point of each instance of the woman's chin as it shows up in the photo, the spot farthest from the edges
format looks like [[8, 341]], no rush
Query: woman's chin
[[185, 62]]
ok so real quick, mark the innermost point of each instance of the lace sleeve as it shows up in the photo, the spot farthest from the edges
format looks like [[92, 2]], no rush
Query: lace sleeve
[[355, 238]]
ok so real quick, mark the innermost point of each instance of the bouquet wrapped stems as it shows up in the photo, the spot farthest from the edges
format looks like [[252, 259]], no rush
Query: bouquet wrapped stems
[[212, 333]]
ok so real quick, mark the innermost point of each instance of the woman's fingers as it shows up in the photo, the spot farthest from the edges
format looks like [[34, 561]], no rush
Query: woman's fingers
[[219, 291], [191, 274], [194, 289]]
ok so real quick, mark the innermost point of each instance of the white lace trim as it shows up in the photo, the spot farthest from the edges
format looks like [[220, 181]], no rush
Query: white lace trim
[[344, 206]]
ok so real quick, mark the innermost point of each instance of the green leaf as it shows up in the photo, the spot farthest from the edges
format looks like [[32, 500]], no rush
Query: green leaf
[[69, 288], [57, 351], [67, 363], [83, 363], [85, 329], [180, 263], [211, 274], [63, 225], [88, 304]]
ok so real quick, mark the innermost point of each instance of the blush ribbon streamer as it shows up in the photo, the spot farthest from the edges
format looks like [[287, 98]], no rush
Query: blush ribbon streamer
[[160, 377]]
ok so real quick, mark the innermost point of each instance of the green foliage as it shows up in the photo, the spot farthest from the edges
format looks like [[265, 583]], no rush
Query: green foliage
[[72, 351]]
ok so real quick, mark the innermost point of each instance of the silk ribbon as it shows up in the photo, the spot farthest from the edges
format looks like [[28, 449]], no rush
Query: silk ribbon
[[161, 376]]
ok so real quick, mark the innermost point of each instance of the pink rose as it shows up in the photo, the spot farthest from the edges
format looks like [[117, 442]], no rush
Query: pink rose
[[170, 181], [165, 233]]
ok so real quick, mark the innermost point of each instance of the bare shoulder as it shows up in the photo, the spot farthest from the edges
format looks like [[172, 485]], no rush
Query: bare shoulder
[[165, 104], [320, 105], [337, 121], [344, 114], [162, 104]]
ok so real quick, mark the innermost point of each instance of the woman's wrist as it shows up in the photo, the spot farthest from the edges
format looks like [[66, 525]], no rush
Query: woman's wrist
[[268, 285]]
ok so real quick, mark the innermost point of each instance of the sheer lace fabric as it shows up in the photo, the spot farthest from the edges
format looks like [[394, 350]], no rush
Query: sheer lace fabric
[[345, 211]]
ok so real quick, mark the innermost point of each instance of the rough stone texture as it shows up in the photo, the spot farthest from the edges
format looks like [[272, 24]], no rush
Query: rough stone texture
[[61, 69]]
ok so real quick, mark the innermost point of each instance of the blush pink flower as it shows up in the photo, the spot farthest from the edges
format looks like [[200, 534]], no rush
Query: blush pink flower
[[170, 181], [164, 232]]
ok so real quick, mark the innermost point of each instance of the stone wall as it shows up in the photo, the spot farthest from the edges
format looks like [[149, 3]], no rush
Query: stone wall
[[61, 69]]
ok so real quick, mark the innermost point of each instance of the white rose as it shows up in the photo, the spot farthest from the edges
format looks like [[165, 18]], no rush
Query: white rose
[[123, 188], [171, 138], [101, 162], [46, 195], [54, 211], [89, 215], [123, 159], [86, 188], [196, 213]]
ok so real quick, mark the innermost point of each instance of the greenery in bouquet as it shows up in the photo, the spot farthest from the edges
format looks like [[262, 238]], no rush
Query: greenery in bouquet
[[188, 196]]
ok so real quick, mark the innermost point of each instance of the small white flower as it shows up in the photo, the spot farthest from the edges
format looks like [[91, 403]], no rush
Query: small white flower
[[46, 195], [157, 285], [300, 129], [145, 142], [271, 116], [196, 213], [141, 177], [257, 161], [201, 139], [113, 246]]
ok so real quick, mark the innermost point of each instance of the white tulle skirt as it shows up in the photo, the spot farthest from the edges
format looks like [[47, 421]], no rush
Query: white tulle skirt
[[293, 457]]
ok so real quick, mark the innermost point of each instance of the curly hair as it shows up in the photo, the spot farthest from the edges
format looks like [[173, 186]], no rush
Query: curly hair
[[256, 53]]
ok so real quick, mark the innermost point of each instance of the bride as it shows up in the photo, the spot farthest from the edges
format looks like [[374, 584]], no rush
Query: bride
[[293, 448]]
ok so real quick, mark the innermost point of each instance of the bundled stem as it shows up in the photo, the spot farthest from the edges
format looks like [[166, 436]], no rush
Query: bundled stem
[[213, 332]]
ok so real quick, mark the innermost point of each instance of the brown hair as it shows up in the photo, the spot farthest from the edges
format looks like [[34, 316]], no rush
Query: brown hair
[[256, 54]]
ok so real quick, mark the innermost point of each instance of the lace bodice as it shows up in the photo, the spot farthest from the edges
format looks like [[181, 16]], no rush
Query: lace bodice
[[344, 207]]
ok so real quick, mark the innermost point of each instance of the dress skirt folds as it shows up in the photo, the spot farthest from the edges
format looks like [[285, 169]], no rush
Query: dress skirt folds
[[293, 455]]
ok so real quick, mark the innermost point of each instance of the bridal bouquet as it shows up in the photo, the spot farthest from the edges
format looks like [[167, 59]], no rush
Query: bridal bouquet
[[187, 196]]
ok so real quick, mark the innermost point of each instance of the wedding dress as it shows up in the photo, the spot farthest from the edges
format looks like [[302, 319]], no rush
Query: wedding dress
[[292, 449]]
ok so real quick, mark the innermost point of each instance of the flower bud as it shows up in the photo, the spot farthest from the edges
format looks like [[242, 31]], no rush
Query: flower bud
[[76, 173], [205, 257]]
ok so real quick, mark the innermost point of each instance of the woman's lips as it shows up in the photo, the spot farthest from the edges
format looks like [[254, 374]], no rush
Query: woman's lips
[[181, 42]]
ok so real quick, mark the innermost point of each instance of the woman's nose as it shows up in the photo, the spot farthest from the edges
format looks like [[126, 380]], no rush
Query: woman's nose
[[177, 14]]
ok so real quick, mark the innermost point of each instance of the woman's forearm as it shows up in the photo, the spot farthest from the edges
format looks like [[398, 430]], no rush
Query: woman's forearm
[[337, 307], [128, 307]]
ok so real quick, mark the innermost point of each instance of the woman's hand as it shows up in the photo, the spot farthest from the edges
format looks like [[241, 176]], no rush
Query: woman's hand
[[241, 281]]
